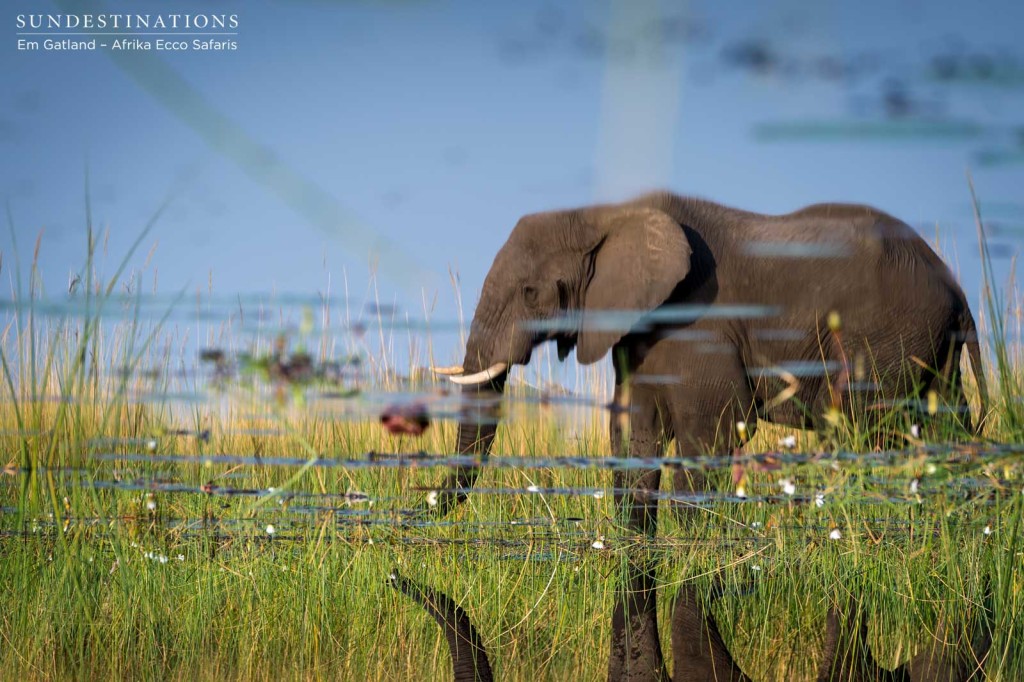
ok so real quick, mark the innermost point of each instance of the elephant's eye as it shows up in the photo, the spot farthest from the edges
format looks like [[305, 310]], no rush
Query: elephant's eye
[[530, 294]]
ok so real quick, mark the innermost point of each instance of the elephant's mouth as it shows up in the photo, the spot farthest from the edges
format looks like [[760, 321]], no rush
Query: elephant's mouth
[[565, 343]]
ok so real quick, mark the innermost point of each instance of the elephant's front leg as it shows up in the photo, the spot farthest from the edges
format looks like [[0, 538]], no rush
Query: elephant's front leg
[[636, 646], [637, 429]]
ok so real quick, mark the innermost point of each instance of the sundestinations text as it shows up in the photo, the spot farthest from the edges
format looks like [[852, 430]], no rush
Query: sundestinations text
[[126, 21]]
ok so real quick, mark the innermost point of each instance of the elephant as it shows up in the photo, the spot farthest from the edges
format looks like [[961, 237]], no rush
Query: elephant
[[708, 312], [700, 653], [715, 318]]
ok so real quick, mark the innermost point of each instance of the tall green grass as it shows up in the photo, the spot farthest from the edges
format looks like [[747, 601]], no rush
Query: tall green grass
[[100, 582]]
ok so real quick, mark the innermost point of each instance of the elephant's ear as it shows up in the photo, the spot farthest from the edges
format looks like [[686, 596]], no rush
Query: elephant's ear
[[641, 260]]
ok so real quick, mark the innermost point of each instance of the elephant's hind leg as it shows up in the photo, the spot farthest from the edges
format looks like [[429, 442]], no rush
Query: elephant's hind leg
[[948, 387], [711, 419]]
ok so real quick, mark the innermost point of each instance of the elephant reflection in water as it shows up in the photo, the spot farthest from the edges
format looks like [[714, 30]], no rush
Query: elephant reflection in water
[[700, 653]]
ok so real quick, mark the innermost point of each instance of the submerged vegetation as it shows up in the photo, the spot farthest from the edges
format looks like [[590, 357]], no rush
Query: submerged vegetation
[[233, 511]]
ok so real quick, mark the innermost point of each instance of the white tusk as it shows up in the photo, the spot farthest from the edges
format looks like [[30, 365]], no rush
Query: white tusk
[[480, 377], [448, 371]]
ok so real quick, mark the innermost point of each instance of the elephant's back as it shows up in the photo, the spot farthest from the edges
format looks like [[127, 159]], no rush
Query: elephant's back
[[848, 247], [872, 269], [866, 234], [821, 257]]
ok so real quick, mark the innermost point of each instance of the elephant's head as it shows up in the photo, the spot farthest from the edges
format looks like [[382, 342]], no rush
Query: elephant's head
[[548, 282]]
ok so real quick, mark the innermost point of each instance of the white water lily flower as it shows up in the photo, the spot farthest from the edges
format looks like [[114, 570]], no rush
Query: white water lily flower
[[835, 534]]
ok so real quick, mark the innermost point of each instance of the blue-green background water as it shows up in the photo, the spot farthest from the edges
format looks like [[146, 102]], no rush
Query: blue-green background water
[[405, 138]]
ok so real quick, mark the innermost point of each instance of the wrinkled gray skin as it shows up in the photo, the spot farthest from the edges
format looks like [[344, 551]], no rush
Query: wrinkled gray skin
[[701, 655], [692, 380]]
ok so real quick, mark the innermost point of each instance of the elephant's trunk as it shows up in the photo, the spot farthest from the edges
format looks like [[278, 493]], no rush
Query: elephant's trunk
[[476, 427], [478, 423]]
